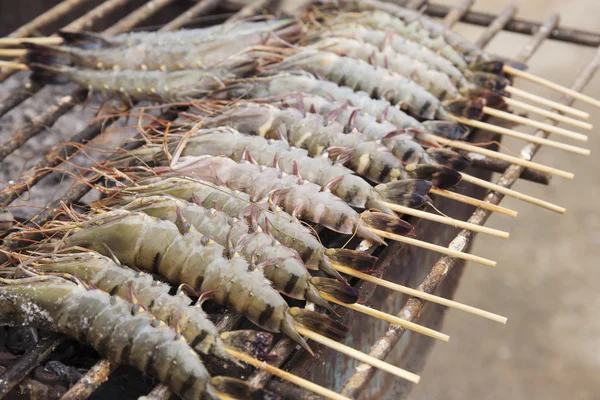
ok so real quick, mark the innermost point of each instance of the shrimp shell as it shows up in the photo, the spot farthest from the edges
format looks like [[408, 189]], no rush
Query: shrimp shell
[[313, 133], [139, 240], [360, 75], [115, 328], [287, 230], [298, 197], [103, 273], [431, 80], [282, 266]]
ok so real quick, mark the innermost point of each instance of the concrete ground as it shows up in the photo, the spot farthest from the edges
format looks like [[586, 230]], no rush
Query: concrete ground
[[546, 279]]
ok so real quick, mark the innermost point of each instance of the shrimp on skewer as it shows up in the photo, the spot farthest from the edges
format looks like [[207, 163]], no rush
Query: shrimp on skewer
[[168, 57], [282, 266], [102, 272], [159, 246], [287, 230], [300, 198], [118, 330]]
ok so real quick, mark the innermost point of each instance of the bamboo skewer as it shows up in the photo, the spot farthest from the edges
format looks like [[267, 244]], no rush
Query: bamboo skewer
[[12, 52], [501, 156], [446, 220], [434, 247], [392, 319], [8, 41], [522, 136], [513, 193], [548, 114], [536, 124], [549, 103], [13, 65], [287, 376], [474, 202], [420, 294], [555, 86], [365, 358]]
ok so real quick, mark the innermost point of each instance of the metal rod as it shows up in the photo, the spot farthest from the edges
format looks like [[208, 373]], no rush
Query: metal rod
[[570, 35]]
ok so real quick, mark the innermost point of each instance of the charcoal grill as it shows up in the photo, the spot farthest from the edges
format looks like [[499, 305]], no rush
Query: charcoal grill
[[409, 266]]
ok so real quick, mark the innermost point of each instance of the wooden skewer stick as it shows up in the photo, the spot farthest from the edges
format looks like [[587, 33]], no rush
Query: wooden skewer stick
[[360, 356], [536, 124], [434, 247], [512, 193], [287, 376], [13, 65], [9, 41], [474, 202], [420, 294], [392, 319], [555, 86], [446, 220], [457, 144], [549, 103], [521, 135], [12, 52], [548, 114]]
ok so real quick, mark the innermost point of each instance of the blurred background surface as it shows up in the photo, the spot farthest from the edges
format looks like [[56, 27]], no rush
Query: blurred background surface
[[546, 281]]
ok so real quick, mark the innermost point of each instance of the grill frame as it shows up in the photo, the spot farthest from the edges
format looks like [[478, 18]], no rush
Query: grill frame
[[445, 266]]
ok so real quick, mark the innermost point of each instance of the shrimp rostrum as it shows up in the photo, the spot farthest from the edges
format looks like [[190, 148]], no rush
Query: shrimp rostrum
[[185, 256]]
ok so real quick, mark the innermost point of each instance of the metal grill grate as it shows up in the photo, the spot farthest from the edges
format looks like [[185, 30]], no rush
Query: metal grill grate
[[285, 350]]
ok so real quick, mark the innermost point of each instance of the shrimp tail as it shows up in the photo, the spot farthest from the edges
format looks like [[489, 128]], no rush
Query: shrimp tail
[[492, 67], [439, 176], [447, 129], [470, 108], [288, 329], [407, 192], [489, 81], [255, 343], [354, 259], [450, 159], [237, 389], [49, 55], [384, 222], [319, 323], [46, 74], [334, 288], [84, 40]]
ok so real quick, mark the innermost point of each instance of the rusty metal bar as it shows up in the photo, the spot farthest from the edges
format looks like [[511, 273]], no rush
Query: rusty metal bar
[[570, 35], [88, 383], [496, 25], [201, 7], [27, 362], [36, 389], [86, 21], [413, 307], [456, 13], [49, 16]]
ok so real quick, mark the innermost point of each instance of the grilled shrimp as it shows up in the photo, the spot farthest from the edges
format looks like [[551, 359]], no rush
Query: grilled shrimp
[[143, 85], [158, 246], [360, 75], [287, 230], [320, 170], [298, 197], [382, 110], [229, 30], [118, 330], [313, 133], [381, 20], [168, 57], [103, 273], [282, 266], [431, 80]]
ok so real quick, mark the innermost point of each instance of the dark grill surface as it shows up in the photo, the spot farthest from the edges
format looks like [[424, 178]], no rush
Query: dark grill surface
[[40, 178]]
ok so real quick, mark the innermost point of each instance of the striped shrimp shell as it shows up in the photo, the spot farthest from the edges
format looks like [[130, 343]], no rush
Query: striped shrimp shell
[[311, 132], [139, 240], [113, 327], [104, 274]]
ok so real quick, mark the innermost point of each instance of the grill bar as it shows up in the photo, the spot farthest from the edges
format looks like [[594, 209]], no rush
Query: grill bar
[[413, 307], [85, 22], [568, 35]]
